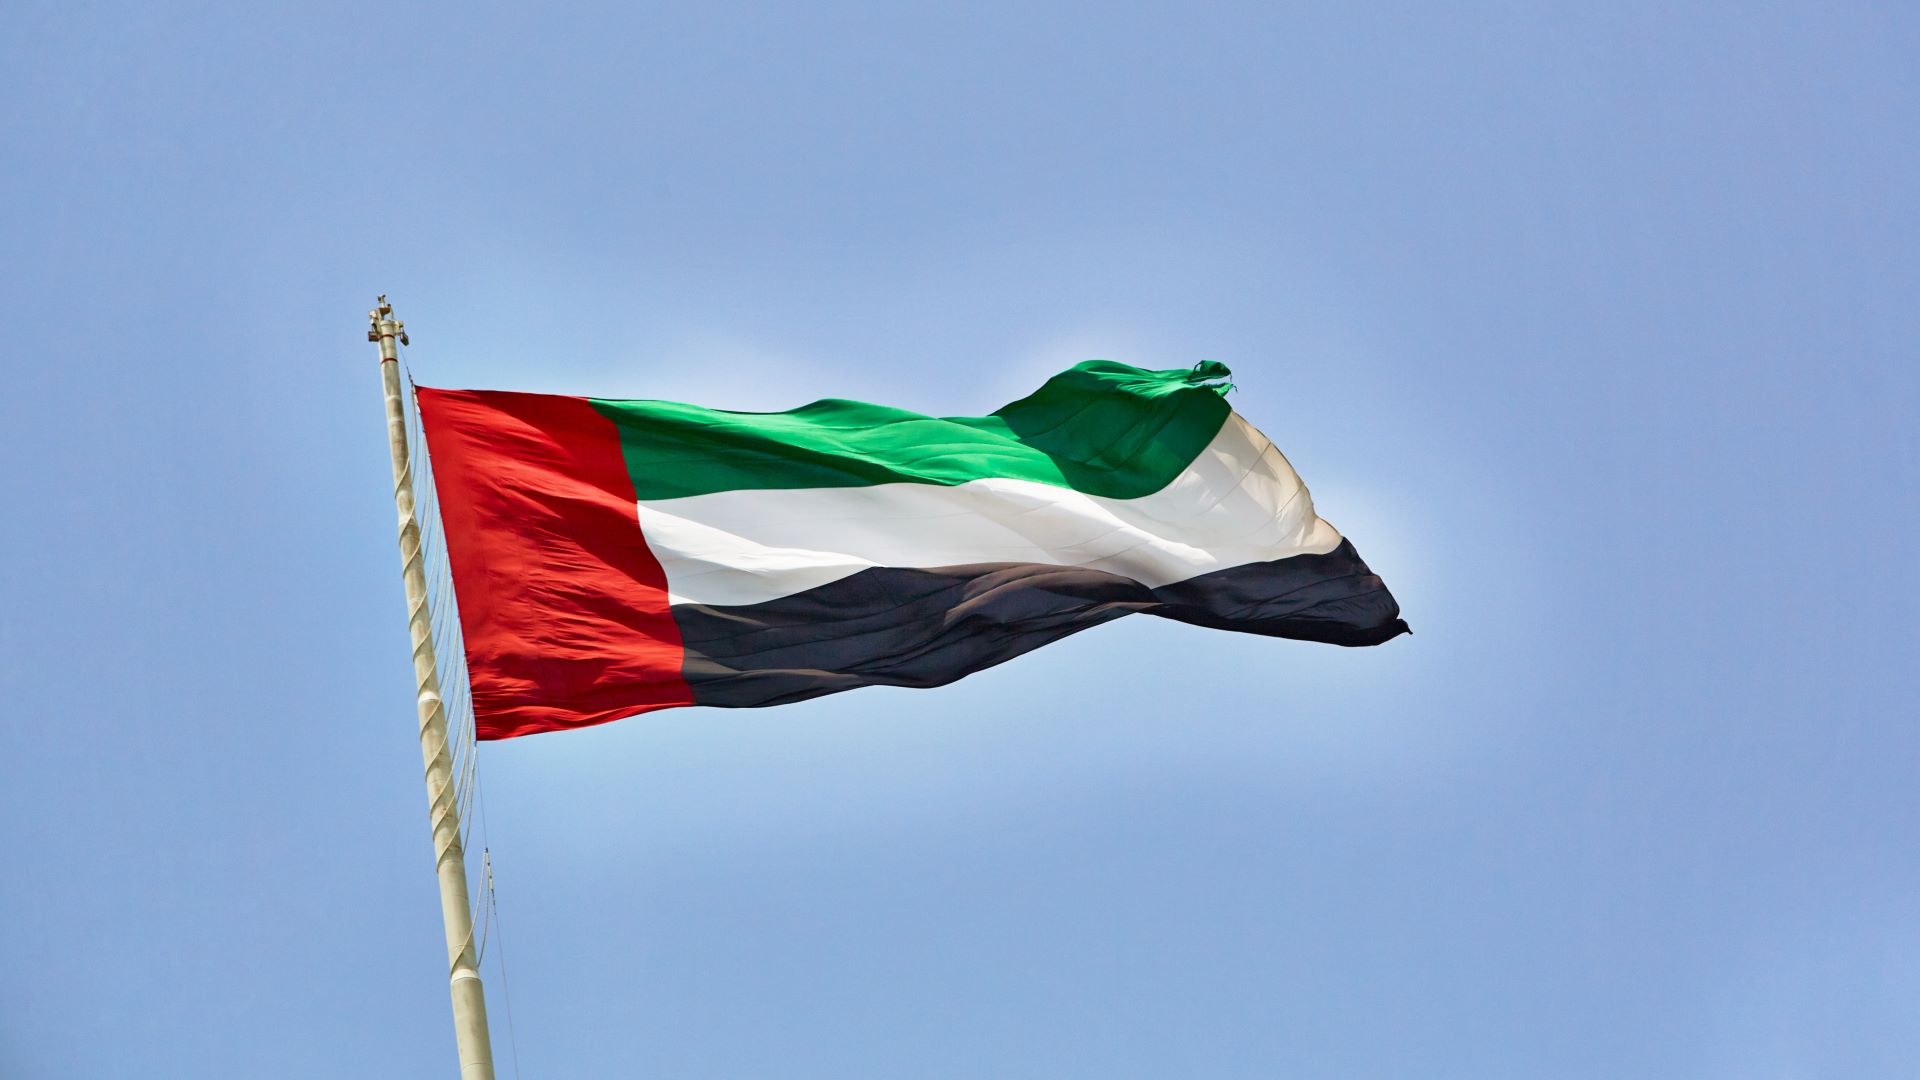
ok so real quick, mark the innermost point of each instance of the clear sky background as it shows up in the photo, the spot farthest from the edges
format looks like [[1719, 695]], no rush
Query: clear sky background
[[1594, 326]]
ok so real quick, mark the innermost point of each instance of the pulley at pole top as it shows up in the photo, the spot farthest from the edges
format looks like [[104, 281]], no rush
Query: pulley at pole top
[[384, 314]]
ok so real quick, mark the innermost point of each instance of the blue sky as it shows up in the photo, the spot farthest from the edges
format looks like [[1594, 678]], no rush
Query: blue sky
[[1593, 326]]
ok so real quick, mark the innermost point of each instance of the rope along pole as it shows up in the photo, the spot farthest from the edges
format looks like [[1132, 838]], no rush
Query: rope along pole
[[450, 863]]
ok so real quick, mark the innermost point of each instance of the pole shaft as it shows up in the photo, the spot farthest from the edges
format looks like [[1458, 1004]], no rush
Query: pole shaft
[[450, 863]]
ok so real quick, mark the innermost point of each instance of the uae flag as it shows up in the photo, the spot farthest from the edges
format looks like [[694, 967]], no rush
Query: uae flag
[[614, 557]]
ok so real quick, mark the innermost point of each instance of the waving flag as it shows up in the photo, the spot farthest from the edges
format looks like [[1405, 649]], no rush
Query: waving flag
[[614, 557]]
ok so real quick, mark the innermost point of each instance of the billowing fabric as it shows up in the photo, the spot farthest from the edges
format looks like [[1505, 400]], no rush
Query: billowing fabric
[[615, 557]]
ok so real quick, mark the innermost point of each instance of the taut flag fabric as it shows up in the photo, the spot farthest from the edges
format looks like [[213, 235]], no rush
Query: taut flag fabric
[[614, 557]]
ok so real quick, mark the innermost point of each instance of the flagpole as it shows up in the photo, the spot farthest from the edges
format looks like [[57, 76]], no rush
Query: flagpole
[[469, 1003]]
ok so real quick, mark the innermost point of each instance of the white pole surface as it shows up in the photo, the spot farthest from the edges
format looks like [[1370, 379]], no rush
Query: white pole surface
[[450, 862]]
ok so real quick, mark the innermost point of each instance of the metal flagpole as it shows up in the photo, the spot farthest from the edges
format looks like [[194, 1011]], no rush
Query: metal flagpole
[[469, 1003]]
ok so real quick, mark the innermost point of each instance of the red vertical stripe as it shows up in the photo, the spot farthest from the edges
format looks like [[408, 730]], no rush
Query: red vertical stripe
[[563, 607]]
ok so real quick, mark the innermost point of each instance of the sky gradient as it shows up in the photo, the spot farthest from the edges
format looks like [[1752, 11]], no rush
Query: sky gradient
[[1593, 328]]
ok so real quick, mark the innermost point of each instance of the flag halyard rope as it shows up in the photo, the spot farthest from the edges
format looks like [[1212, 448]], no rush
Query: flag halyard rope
[[453, 702]]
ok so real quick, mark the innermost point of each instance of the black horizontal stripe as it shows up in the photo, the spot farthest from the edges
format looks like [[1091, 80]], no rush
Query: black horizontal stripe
[[887, 626]]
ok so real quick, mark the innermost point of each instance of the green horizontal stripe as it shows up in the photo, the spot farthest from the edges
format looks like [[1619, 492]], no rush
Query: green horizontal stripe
[[1102, 428]]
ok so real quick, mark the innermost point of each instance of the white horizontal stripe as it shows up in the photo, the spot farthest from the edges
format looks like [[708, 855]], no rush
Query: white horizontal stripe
[[1239, 502]]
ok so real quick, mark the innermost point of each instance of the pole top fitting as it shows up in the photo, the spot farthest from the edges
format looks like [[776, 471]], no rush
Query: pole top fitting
[[384, 325]]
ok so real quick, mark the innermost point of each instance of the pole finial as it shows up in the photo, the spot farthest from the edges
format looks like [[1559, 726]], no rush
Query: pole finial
[[383, 324]]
